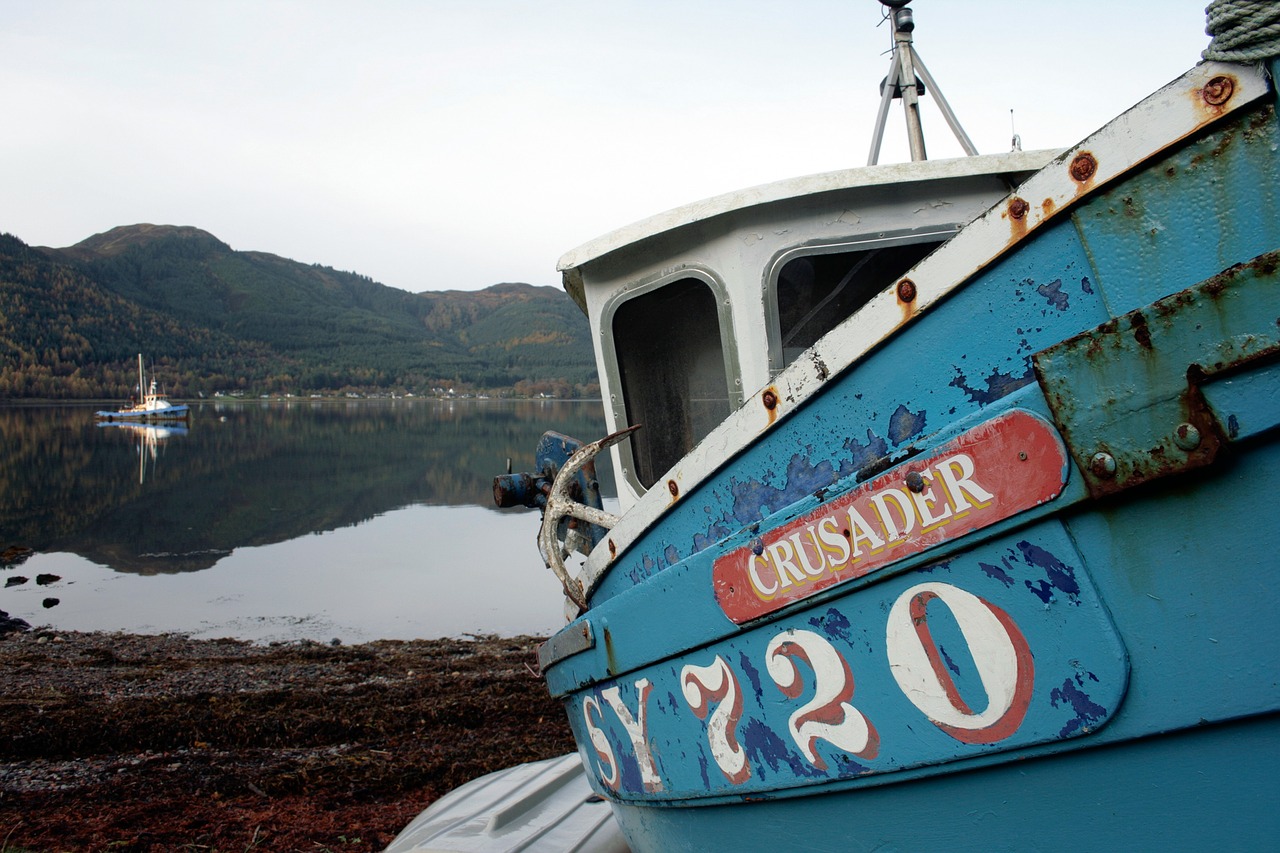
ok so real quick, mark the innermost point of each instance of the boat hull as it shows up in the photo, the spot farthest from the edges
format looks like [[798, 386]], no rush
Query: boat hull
[[170, 413], [1209, 788], [1002, 582]]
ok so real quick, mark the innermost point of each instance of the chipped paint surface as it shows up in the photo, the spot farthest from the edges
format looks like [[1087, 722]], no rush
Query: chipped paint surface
[[943, 662]]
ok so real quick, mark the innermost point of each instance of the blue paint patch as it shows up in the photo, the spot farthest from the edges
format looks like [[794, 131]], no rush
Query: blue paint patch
[[835, 624], [1041, 589], [1086, 286], [765, 746], [1053, 293], [951, 665], [1233, 426], [905, 425], [671, 555], [996, 573], [715, 533], [1059, 575], [1087, 712], [752, 674], [998, 384], [846, 766], [861, 455]]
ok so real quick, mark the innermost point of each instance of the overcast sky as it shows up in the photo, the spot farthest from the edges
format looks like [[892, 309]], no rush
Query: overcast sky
[[434, 144]]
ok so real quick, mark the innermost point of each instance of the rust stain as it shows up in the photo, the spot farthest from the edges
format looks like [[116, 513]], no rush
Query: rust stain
[[674, 489], [770, 400], [1083, 168], [613, 549], [1048, 207], [906, 292], [1218, 90], [1214, 98], [1018, 208]]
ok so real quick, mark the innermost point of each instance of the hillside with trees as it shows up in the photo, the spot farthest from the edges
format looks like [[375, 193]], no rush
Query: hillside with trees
[[214, 319]]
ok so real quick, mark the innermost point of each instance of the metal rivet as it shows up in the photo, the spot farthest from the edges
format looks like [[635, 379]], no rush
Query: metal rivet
[[673, 488], [915, 482], [1018, 208], [1022, 455], [907, 290], [1186, 436], [1084, 166], [770, 399], [1218, 91], [1103, 465]]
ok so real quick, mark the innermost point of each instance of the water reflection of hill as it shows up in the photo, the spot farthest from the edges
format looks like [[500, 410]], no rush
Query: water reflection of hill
[[249, 474]]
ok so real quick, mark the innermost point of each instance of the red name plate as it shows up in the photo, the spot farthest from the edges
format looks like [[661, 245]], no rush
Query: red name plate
[[996, 470]]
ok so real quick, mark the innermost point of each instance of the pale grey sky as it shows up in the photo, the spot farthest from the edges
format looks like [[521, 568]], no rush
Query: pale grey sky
[[437, 144]]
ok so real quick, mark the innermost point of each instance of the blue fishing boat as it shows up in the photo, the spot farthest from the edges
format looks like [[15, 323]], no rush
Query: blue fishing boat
[[150, 406], [946, 516]]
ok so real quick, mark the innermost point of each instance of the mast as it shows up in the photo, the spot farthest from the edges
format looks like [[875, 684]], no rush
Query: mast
[[902, 82]]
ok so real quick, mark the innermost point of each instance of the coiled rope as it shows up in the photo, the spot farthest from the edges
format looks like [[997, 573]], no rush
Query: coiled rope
[[1242, 30]]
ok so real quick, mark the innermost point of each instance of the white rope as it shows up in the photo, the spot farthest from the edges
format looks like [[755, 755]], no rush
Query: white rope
[[1242, 30]]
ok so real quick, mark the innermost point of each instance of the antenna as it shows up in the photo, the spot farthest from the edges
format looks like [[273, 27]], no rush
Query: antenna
[[1016, 144], [902, 82]]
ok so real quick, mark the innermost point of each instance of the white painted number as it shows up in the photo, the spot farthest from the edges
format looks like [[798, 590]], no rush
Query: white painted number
[[703, 685], [828, 715], [996, 646]]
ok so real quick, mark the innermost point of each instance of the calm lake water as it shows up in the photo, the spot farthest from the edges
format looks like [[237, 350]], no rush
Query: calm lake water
[[356, 520]]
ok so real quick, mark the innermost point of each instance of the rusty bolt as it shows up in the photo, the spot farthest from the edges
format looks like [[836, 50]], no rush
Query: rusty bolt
[[1186, 436], [1103, 465], [770, 399], [1022, 456], [1084, 166], [673, 488], [907, 290], [1218, 91], [1018, 208], [915, 482]]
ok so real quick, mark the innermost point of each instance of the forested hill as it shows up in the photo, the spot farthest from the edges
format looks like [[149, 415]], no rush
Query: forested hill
[[210, 318]]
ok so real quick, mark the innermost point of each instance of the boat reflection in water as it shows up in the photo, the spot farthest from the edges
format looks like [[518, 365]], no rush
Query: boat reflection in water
[[150, 438]]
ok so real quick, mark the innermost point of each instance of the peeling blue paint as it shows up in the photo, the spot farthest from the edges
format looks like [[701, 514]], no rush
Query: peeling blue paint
[[997, 573], [1054, 295], [1086, 285], [671, 555], [905, 425], [951, 664], [833, 623], [752, 674], [1060, 576], [765, 746], [1087, 712], [998, 384]]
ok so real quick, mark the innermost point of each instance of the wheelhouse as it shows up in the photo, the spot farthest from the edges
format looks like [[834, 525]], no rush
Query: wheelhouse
[[694, 310]]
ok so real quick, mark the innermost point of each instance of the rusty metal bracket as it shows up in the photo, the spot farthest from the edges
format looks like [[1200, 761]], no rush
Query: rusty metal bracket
[[1126, 396], [561, 505]]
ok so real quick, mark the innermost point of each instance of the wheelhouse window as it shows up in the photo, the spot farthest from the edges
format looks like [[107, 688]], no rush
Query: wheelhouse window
[[671, 361], [818, 288]]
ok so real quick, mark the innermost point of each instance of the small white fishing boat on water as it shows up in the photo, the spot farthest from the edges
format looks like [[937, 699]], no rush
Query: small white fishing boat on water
[[152, 407]]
